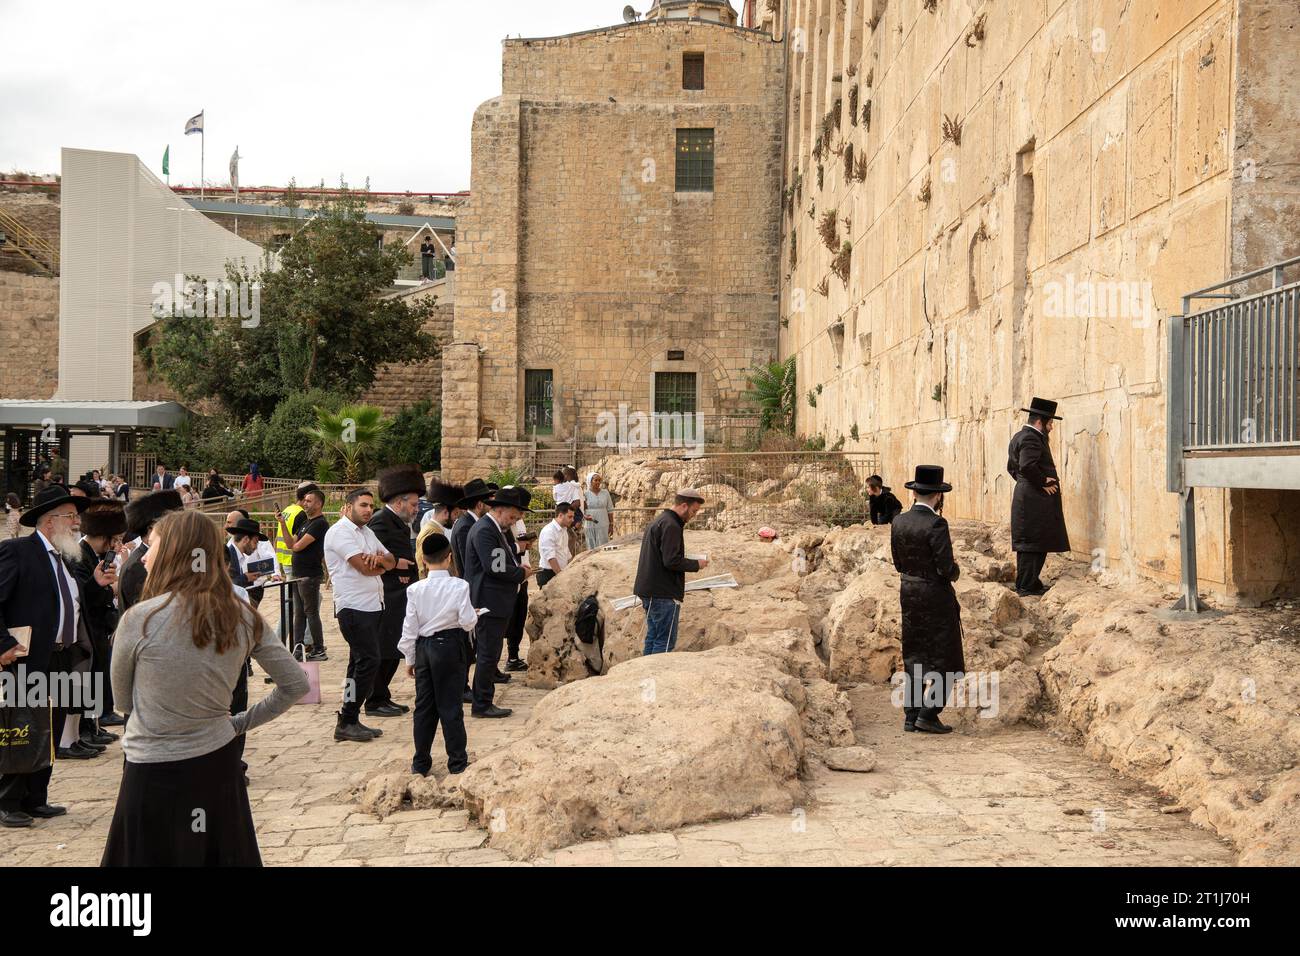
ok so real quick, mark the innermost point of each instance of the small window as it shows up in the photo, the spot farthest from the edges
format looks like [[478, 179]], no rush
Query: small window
[[694, 160], [676, 355], [692, 71], [539, 401]]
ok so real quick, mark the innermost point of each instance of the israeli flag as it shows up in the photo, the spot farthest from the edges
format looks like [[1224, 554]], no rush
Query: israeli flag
[[194, 124]]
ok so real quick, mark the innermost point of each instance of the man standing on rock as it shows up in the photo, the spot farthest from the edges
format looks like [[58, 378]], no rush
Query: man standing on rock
[[1037, 518], [661, 571], [932, 652]]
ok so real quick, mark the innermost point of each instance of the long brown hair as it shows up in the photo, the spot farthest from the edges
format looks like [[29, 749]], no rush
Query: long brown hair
[[189, 563]]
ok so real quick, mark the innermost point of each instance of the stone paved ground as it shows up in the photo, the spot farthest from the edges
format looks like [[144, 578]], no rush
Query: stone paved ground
[[1015, 798]]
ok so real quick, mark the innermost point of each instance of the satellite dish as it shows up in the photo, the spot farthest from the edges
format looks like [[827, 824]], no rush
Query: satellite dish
[[630, 15]]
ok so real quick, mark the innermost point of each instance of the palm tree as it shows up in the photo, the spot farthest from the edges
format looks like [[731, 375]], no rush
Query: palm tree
[[349, 436], [772, 388]]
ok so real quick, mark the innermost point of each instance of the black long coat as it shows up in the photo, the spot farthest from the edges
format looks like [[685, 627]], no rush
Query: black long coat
[[922, 551], [395, 535], [1037, 518]]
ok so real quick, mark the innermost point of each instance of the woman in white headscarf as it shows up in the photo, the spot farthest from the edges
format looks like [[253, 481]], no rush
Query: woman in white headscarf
[[598, 510]]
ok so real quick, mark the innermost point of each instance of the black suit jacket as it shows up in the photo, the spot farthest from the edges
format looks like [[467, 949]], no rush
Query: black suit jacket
[[233, 566], [395, 535], [98, 610], [492, 568], [29, 597], [130, 578], [459, 535]]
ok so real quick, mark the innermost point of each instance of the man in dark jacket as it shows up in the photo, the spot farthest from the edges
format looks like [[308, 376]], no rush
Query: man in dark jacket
[[932, 652], [142, 514], [400, 488], [1037, 519], [661, 571], [884, 506], [473, 507], [102, 527], [494, 572]]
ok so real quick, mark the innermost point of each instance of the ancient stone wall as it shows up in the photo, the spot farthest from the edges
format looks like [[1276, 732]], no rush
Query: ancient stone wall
[[29, 335], [400, 384], [1028, 190], [577, 253]]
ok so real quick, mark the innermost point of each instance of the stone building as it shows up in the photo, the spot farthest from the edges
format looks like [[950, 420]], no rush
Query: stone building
[[1021, 194], [618, 254]]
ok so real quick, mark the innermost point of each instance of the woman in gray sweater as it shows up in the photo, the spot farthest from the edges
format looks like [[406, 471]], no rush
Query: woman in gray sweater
[[176, 658]]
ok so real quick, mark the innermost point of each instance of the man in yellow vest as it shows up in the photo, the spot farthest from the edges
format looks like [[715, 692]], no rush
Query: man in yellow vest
[[283, 550]]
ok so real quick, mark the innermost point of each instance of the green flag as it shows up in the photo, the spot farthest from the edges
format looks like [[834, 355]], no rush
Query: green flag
[[166, 153]]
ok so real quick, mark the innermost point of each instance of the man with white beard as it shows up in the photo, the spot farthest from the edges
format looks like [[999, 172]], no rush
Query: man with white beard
[[40, 596]]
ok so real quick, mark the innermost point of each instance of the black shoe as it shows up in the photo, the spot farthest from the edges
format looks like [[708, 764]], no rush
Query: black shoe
[[932, 726], [384, 710], [89, 744], [353, 732], [518, 664], [493, 711], [402, 707], [112, 720], [75, 752], [372, 731], [909, 726], [100, 738], [47, 810], [14, 819], [501, 678], [423, 773], [317, 656], [467, 697]]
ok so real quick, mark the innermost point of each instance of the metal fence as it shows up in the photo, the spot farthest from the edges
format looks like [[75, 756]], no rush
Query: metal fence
[[1239, 363]]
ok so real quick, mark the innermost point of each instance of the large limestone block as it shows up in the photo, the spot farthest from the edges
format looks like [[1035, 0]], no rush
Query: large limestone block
[[657, 743]]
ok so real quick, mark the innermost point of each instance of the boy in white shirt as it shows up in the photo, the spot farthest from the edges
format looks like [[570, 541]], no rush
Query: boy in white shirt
[[434, 644]]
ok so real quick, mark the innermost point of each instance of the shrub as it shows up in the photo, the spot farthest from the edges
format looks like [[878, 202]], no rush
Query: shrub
[[286, 451], [415, 436]]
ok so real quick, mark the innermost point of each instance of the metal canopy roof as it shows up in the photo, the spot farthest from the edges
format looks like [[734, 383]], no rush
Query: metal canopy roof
[[88, 414], [443, 223]]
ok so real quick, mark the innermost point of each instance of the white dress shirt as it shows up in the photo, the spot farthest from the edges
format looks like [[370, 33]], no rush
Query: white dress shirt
[[435, 604], [567, 491], [525, 553], [181, 481], [60, 567], [352, 589], [553, 542]]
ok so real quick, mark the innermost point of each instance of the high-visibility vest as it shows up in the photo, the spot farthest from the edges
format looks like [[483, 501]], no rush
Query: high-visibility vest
[[284, 553]]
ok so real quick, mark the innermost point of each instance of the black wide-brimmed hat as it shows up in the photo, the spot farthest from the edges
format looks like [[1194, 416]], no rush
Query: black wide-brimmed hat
[[476, 490], [928, 480], [400, 480], [104, 518], [1041, 406], [47, 500], [442, 493], [247, 527], [143, 511], [512, 496]]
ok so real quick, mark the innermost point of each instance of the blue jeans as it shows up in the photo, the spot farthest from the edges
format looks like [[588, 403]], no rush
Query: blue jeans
[[661, 616]]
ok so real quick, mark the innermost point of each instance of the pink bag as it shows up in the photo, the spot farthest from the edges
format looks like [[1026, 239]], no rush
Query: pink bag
[[312, 670]]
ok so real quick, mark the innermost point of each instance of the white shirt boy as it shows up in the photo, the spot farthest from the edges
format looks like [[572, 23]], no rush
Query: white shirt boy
[[435, 604]]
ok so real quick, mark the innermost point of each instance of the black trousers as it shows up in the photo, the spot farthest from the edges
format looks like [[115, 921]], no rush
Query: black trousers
[[925, 691], [380, 693], [515, 632], [361, 630], [390, 632], [489, 634], [306, 612], [239, 704], [440, 663], [1029, 564]]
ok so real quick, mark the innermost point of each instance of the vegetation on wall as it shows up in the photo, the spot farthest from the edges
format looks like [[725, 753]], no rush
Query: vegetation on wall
[[772, 388]]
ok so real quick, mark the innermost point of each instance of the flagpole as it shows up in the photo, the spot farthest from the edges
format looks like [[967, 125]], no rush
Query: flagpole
[[202, 144]]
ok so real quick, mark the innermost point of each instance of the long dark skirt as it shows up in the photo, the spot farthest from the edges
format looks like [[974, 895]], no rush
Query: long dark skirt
[[184, 813]]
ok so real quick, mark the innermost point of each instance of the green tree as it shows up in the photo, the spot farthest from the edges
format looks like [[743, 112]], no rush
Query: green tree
[[324, 321], [415, 437], [350, 438], [772, 388], [286, 451]]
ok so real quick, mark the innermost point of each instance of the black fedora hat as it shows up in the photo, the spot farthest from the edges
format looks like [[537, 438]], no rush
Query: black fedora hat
[[1041, 406], [476, 490], [47, 500], [247, 527], [512, 496], [928, 480], [442, 493]]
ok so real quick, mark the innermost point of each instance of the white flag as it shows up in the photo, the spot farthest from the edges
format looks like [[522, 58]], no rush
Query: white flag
[[234, 169], [194, 124]]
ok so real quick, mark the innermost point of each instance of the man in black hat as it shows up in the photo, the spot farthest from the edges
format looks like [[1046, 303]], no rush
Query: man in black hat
[[39, 591], [494, 571], [661, 571], [1037, 518], [399, 489], [473, 506], [102, 525], [245, 534], [932, 651], [142, 514]]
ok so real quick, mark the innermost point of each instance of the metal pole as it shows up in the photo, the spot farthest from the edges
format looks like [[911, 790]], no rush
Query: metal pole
[[1189, 601]]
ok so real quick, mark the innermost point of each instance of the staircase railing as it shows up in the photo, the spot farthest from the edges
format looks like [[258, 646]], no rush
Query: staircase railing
[[20, 239]]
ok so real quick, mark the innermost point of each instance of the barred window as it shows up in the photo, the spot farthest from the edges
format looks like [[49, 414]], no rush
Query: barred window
[[695, 160], [692, 71]]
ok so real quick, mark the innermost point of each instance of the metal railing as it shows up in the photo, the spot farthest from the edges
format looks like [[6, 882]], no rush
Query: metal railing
[[1240, 363], [37, 251]]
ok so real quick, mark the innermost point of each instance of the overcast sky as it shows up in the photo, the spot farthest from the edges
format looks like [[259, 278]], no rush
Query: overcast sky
[[384, 88]]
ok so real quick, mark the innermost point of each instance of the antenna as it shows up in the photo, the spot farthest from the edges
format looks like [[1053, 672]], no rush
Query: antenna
[[630, 15]]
